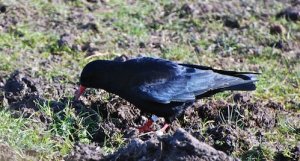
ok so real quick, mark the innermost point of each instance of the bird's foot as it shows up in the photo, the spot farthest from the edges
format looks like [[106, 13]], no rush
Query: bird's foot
[[146, 127], [162, 130]]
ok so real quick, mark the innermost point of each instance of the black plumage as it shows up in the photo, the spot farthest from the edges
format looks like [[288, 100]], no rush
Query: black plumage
[[162, 87]]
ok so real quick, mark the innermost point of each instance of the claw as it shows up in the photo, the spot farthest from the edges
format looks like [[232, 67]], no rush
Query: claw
[[146, 127], [162, 130]]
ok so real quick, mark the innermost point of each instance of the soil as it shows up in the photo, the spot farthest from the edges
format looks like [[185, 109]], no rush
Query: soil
[[89, 152], [6, 153], [179, 146], [21, 92]]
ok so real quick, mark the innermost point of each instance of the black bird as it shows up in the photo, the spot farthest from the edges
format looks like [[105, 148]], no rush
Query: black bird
[[159, 86]]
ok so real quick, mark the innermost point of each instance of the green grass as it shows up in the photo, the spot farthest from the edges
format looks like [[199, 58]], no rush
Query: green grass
[[259, 153], [129, 19], [279, 77], [113, 143], [47, 141], [26, 135]]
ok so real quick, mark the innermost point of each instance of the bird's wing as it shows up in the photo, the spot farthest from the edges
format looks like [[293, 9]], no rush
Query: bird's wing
[[186, 85], [165, 91], [157, 80]]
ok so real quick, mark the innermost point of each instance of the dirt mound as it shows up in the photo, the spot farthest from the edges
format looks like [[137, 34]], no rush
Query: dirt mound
[[6, 153], [296, 152], [18, 86], [290, 13], [180, 146], [118, 116], [24, 98], [11, 15], [22, 93], [262, 114], [85, 152]]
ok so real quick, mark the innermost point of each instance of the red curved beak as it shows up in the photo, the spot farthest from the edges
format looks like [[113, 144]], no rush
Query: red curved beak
[[79, 92]]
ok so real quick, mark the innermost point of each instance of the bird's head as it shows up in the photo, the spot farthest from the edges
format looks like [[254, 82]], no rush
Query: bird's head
[[93, 75]]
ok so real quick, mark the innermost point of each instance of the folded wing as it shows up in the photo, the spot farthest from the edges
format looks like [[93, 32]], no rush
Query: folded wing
[[188, 82]]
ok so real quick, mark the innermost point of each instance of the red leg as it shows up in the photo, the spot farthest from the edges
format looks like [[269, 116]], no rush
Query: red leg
[[162, 130], [146, 127], [165, 127]]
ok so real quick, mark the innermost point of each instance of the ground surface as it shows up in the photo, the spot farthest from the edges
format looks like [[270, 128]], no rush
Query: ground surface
[[44, 45]]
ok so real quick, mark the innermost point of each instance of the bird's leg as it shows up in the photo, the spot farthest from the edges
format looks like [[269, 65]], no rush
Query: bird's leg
[[147, 126], [163, 129]]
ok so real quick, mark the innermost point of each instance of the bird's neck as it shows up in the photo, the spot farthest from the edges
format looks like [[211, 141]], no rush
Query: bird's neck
[[112, 81]]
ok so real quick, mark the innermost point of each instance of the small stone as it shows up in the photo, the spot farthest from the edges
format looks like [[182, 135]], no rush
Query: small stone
[[296, 152], [66, 40], [91, 26], [279, 44], [231, 22], [198, 49], [275, 105], [159, 133], [122, 58], [85, 152], [277, 29], [290, 13], [3, 8], [92, 1], [186, 10], [142, 45]]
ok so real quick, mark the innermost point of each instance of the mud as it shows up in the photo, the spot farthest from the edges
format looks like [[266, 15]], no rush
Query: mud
[[262, 114], [90, 152], [6, 153], [18, 86], [296, 152], [290, 13], [179, 146], [22, 92]]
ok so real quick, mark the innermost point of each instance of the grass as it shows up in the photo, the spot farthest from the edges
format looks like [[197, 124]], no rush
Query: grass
[[113, 143], [231, 116], [26, 46], [275, 80], [23, 134], [259, 153], [46, 140]]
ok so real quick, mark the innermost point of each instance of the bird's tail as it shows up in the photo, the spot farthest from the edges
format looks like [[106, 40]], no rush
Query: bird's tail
[[247, 85]]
